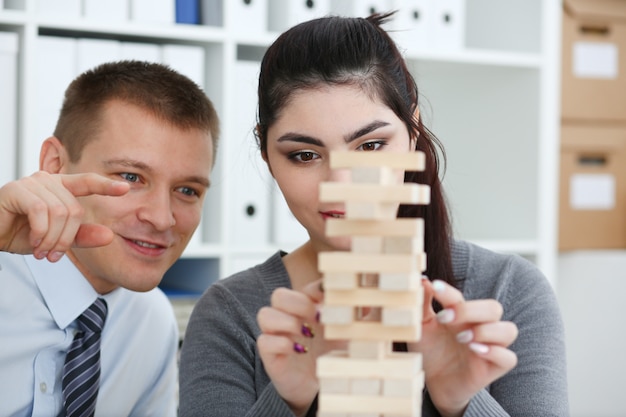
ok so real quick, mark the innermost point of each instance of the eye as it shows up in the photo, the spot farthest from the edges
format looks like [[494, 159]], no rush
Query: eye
[[371, 146], [303, 156], [188, 191], [130, 177]]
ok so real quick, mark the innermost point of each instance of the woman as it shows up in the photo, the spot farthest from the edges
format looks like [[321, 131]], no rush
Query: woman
[[341, 84]]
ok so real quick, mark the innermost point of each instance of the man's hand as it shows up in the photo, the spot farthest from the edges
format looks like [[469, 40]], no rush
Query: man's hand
[[40, 214]]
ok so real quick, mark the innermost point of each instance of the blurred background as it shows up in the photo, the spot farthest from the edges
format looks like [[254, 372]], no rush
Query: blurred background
[[527, 97]]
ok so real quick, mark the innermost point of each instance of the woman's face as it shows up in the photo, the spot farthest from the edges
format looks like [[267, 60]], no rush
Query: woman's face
[[314, 123]]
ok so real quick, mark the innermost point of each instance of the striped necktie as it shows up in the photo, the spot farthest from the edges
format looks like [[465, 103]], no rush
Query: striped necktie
[[81, 372]]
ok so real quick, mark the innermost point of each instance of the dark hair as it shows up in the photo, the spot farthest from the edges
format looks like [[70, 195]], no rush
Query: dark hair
[[357, 51], [163, 92]]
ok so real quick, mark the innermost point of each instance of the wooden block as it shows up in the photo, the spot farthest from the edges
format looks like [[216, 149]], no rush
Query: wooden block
[[366, 330], [373, 297], [371, 210], [337, 315], [403, 387], [399, 281], [409, 161], [372, 263], [340, 280], [399, 365], [368, 280], [335, 385], [407, 193], [382, 175], [367, 244], [366, 386], [342, 403], [401, 316], [369, 349], [406, 245], [395, 227]]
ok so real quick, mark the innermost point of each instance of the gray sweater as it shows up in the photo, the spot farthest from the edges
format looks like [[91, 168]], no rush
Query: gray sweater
[[221, 373]]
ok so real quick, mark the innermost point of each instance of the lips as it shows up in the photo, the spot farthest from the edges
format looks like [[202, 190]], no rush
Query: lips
[[333, 214]]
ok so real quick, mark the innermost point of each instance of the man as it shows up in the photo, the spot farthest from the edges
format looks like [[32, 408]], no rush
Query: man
[[120, 193]]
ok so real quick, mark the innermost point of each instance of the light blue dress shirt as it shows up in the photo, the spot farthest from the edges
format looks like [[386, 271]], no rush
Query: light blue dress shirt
[[39, 303]]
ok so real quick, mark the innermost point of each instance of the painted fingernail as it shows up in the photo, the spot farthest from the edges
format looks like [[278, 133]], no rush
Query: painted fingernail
[[298, 348], [465, 336], [445, 316], [307, 330], [321, 287], [318, 315], [439, 286], [41, 255], [479, 348]]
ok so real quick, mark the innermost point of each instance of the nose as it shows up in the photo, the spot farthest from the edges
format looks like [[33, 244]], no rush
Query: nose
[[156, 209]]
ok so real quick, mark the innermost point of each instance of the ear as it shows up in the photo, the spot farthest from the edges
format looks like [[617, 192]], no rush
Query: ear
[[53, 156]]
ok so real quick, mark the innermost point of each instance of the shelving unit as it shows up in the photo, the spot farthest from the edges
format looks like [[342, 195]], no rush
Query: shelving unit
[[493, 102]]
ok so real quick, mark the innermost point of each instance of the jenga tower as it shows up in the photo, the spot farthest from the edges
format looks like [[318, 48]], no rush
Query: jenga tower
[[373, 294]]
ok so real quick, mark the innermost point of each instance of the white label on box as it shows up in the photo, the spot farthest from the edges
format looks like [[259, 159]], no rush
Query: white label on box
[[595, 60], [592, 192]]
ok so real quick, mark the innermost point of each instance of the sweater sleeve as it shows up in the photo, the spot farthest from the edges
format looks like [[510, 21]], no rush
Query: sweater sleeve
[[537, 386], [219, 366]]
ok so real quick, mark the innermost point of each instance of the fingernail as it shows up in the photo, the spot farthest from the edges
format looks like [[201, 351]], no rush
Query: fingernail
[[465, 336], [307, 330], [318, 315], [321, 286], [36, 243], [445, 316], [41, 255], [55, 256], [479, 348], [300, 348], [439, 286]]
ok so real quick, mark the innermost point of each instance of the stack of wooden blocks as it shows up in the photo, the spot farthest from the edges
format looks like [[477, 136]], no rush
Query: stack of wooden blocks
[[373, 294]]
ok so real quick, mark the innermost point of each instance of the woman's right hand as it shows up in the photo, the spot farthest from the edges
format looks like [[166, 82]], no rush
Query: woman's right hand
[[291, 341]]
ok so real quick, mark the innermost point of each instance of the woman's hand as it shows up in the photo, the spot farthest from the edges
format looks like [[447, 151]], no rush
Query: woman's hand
[[291, 341], [464, 346]]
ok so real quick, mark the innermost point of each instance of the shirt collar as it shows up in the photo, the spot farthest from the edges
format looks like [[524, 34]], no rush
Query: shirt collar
[[65, 290]]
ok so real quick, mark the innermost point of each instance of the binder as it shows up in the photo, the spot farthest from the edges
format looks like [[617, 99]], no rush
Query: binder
[[448, 28], [93, 52], [359, 8], [153, 11], [247, 17], [140, 51], [107, 11], [8, 106], [55, 69], [284, 14], [248, 200], [411, 26], [189, 60], [211, 12], [187, 11], [66, 9]]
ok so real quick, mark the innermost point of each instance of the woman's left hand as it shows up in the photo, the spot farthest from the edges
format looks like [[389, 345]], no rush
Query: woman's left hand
[[464, 346]]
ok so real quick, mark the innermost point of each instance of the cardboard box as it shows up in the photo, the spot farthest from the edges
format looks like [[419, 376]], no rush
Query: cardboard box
[[594, 60], [593, 187]]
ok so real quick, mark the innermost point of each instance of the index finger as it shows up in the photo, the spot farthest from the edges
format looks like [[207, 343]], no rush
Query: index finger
[[81, 185], [446, 294]]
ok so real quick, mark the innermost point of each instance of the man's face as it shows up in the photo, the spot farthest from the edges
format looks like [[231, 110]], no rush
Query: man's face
[[168, 171]]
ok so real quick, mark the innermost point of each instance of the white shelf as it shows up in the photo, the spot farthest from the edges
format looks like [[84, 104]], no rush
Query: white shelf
[[493, 102]]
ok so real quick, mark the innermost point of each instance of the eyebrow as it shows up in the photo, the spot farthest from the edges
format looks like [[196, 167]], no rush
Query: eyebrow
[[131, 163], [370, 127]]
